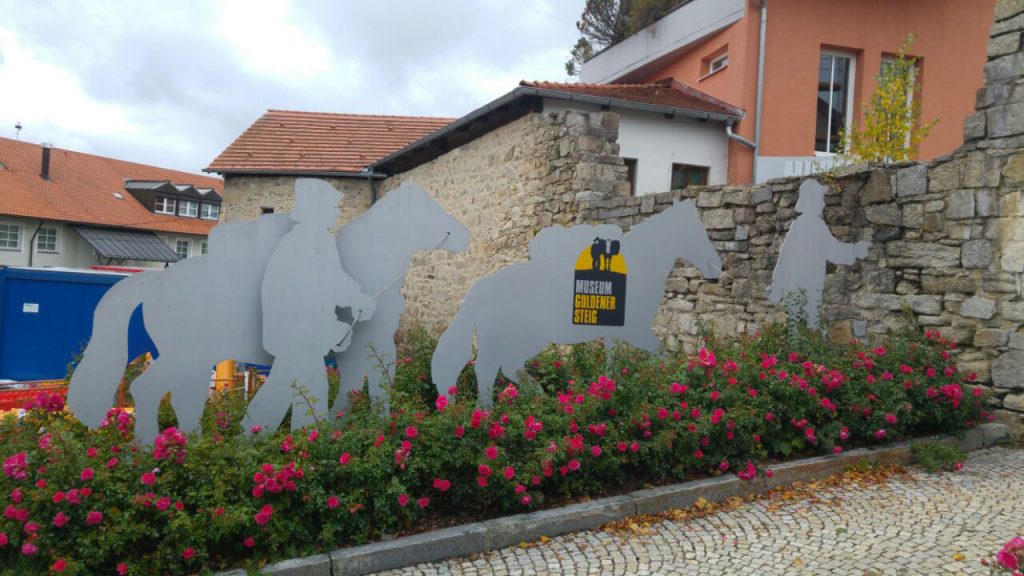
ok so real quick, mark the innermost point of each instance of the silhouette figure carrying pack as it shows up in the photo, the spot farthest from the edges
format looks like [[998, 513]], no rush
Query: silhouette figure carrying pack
[[303, 290], [807, 249]]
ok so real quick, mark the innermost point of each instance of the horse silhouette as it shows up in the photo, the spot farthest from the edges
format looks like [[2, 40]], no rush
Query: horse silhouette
[[375, 249], [520, 309], [199, 312]]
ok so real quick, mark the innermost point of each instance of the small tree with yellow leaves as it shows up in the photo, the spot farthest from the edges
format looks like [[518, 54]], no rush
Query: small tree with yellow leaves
[[891, 130]]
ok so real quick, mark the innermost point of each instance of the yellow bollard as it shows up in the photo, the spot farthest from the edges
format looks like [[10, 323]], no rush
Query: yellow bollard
[[225, 375]]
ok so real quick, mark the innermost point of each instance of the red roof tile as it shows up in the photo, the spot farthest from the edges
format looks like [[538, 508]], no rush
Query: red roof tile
[[285, 141], [81, 190], [667, 92]]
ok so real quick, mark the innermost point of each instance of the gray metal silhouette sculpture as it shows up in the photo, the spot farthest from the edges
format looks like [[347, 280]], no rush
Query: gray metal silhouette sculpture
[[303, 290], [375, 249], [206, 309], [198, 312], [563, 295], [808, 247]]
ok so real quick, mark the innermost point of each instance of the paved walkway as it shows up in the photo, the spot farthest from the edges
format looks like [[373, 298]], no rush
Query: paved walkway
[[915, 524]]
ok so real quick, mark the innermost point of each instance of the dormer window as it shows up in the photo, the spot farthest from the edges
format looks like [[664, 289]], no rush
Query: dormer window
[[165, 205], [210, 212], [189, 208]]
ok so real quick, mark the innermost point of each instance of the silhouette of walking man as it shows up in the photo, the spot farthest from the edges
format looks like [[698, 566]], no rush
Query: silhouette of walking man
[[303, 287], [808, 247]]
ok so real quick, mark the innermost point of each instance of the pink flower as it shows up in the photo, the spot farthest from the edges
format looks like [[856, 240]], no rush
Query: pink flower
[[29, 549], [481, 481], [491, 452], [723, 465], [264, 515], [249, 542], [163, 503], [332, 502], [112, 463], [59, 565], [595, 450], [890, 418], [768, 473], [343, 459], [423, 502], [441, 403], [484, 470], [958, 466], [844, 433], [87, 474], [91, 452], [188, 553], [459, 431], [16, 466], [94, 517], [442, 485], [255, 429], [148, 479], [880, 433], [4, 539], [574, 464], [403, 500], [411, 432], [313, 435], [509, 473], [16, 496], [30, 527], [525, 500], [60, 520]]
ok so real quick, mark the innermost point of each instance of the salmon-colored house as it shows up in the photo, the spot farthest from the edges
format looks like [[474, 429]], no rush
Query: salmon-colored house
[[802, 69]]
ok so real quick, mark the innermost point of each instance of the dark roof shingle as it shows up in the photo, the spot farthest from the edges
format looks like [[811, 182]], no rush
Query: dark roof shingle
[[667, 92]]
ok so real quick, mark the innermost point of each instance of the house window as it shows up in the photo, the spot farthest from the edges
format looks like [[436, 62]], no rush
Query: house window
[[685, 175], [210, 211], [183, 248], [714, 62], [204, 248], [10, 237], [46, 240], [266, 210], [835, 100], [631, 174], [189, 208], [164, 205]]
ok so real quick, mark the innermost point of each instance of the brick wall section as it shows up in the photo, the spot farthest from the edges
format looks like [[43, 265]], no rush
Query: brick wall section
[[505, 186], [947, 240], [244, 196]]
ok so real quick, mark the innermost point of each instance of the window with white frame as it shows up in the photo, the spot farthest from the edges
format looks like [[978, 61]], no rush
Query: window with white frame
[[204, 248], [47, 240], [210, 211], [183, 248], [10, 237], [835, 100], [718, 63], [189, 208], [164, 205]]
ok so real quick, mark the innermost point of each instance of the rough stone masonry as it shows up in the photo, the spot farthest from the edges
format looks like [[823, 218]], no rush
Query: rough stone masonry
[[947, 240]]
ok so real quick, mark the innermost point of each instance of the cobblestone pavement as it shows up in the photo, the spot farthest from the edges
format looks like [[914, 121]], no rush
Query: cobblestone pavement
[[920, 524]]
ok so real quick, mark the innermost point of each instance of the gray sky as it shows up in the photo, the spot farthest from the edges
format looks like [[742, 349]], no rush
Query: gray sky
[[173, 83]]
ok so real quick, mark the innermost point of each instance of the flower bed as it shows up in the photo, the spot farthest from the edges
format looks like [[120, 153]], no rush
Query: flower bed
[[79, 501]]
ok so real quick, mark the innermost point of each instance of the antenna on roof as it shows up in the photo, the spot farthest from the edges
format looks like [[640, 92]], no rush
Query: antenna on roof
[[17, 128]]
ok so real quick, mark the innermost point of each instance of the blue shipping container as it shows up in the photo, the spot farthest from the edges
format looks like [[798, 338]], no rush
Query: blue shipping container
[[46, 320]]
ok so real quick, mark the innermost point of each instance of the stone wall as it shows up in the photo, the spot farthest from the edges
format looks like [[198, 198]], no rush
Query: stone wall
[[246, 196], [505, 186], [947, 240]]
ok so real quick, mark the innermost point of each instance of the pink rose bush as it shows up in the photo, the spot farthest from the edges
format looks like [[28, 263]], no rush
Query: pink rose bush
[[94, 501]]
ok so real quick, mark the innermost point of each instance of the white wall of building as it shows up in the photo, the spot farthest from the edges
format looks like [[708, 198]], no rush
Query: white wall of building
[[657, 143], [72, 250]]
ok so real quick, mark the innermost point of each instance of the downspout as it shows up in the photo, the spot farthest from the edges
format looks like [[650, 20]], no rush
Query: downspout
[[760, 85], [32, 243], [734, 136], [373, 188]]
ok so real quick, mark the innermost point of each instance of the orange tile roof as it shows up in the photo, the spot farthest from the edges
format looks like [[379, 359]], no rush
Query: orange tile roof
[[667, 92], [81, 190], [320, 142]]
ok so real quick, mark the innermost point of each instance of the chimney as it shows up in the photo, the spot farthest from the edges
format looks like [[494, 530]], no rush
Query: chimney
[[45, 170]]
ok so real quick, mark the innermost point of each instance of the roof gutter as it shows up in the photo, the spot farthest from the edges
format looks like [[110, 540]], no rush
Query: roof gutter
[[522, 91], [297, 173]]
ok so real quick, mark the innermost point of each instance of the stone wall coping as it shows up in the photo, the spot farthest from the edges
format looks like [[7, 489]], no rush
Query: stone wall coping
[[511, 530]]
